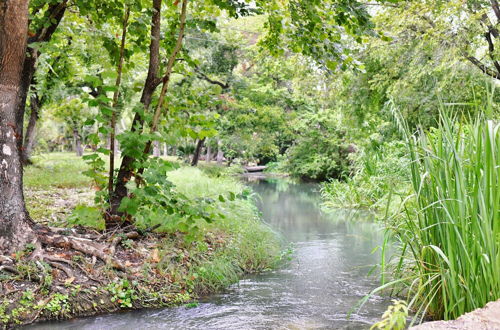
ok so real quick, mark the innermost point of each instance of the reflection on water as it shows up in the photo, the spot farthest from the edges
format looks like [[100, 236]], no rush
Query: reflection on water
[[316, 290]]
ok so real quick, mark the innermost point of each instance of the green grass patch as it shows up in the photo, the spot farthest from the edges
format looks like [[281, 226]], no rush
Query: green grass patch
[[57, 169], [249, 244]]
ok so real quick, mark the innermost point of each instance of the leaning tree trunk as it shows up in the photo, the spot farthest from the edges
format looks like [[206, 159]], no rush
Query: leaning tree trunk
[[29, 140], [78, 142], [197, 152], [126, 167], [15, 225], [53, 16]]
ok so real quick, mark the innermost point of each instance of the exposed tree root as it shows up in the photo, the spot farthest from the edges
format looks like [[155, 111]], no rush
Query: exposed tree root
[[84, 245], [119, 238], [9, 269]]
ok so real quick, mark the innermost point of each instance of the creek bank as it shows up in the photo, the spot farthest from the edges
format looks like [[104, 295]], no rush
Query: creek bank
[[160, 270], [146, 268], [486, 318]]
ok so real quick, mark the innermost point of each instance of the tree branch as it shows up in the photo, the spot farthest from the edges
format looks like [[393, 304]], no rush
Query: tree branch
[[496, 8], [203, 76], [483, 67], [53, 15]]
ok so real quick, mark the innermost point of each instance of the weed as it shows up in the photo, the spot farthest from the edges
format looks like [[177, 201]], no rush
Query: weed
[[394, 318], [58, 303], [122, 292]]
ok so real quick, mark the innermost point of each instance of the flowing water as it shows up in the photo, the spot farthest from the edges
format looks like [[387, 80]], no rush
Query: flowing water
[[326, 277]]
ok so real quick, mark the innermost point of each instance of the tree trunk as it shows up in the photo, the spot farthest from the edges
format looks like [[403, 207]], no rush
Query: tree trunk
[[29, 139], [165, 149], [208, 158], [116, 95], [77, 143], [220, 154], [156, 149], [126, 168], [16, 228], [197, 152], [53, 15]]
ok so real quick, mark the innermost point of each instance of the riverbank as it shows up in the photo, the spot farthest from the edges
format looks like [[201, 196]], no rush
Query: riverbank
[[149, 268]]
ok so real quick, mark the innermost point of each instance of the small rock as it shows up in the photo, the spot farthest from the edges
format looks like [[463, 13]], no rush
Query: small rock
[[487, 318]]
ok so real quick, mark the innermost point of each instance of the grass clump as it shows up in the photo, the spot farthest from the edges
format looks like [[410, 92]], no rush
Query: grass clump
[[450, 229], [249, 245]]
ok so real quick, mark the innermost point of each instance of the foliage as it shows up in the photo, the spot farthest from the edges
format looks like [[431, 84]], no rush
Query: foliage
[[122, 292], [159, 201], [380, 178], [58, 303], [320, 153], [87, 216], [394, 318]]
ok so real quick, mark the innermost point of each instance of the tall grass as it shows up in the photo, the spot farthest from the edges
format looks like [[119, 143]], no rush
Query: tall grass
[[450, 232]]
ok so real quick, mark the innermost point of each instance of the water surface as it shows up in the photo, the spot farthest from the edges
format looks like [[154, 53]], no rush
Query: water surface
[[326, 277]]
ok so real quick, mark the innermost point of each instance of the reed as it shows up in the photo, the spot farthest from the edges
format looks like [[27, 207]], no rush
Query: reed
[[449, 234]]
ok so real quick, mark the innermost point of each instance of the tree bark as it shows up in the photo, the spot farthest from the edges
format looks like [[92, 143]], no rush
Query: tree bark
[[16, 228], [29, 139], [197, 152], [77, 143]]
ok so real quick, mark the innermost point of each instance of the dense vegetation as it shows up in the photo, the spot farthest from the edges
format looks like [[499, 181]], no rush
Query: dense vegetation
[[392, 105]]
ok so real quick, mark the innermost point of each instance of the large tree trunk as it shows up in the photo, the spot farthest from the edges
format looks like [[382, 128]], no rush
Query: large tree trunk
[[15, 225], [29, 139], [77, 142], [197, 152]]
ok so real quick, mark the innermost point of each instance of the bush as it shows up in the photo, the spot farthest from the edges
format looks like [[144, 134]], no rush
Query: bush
[[320, 151], [380, 178]]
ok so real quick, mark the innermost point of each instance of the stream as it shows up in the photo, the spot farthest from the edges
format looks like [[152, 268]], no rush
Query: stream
[[316, 289]]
